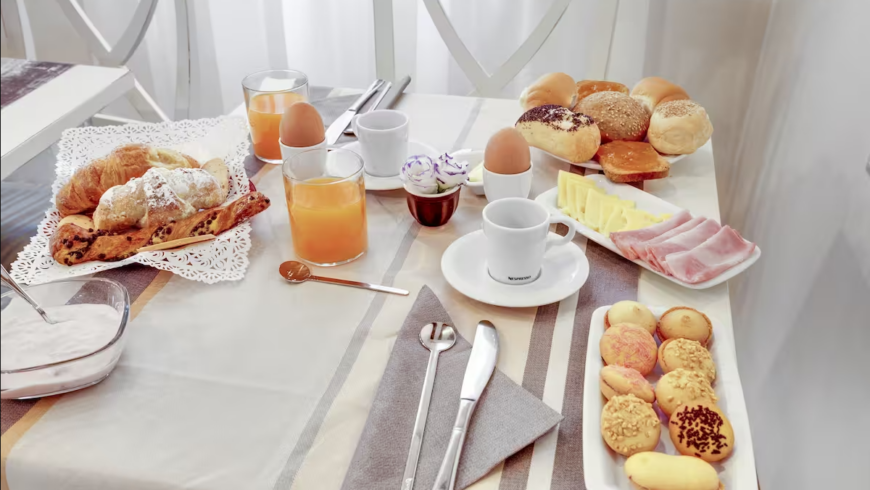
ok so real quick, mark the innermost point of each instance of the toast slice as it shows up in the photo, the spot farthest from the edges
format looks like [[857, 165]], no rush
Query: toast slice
[[631, 161]]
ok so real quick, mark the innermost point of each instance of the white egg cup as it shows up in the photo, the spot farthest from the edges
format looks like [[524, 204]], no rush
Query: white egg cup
[[501, 186], [288, 152]]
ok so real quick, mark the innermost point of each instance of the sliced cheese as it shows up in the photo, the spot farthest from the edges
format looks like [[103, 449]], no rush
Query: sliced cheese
[[594, 202], [636, 219], [565, 181], [616, 222]]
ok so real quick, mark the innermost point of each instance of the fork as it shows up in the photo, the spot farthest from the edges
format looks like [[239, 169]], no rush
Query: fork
[[437, 337]]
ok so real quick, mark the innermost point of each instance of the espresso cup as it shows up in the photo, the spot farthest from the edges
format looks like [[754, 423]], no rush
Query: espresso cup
[[517, 232], [501, 186], [383, 137]]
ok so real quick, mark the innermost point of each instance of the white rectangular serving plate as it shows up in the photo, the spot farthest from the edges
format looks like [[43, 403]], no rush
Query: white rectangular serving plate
[[651, 204], [604, 469]]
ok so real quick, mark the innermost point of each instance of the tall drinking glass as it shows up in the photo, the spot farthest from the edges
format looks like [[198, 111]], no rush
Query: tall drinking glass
[[267, 94], [326, 200]]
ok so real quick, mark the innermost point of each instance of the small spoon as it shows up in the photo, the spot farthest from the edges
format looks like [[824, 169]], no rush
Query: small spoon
[[7, 279], [437, 337], [297, 272]]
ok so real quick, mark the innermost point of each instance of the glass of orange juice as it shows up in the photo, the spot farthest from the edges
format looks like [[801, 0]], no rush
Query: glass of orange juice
[[326, 199], [267, 94]]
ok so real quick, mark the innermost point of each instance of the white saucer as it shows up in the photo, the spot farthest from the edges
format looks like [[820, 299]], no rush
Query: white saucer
[[463, 264], [393, 182]]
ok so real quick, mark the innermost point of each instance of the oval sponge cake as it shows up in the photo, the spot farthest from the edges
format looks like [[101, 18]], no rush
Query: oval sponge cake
[[658, 471], [631, 346], [631, 312], [630, 425]]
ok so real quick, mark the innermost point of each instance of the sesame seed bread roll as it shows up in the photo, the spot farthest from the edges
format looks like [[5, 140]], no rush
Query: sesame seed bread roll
[[552, 88], [619, 117], [652, 91], [557, 130], [679, 127]]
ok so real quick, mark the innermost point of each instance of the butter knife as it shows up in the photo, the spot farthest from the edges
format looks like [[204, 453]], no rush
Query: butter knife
[[480, 367], [337, 127], [390, 93]]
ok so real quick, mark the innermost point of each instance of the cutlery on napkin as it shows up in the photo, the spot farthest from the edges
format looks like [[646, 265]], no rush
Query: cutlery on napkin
[[507, 418]]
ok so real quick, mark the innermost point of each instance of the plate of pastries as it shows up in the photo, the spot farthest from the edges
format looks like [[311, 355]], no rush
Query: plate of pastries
[[632, 135], [156, 205], [663, 405]]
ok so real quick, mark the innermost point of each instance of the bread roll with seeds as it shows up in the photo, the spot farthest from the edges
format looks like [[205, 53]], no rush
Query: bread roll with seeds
[[557, 130], [619, 117]]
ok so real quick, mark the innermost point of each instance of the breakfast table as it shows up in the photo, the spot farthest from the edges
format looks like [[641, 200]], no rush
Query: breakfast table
[[262, 384]]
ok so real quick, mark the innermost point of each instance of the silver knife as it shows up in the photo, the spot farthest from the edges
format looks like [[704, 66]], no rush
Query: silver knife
[[480, 367], [387, 99], [337, 127], [385, 88]]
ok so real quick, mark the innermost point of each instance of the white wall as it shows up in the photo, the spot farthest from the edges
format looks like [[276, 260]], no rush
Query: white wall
[[801, 191]]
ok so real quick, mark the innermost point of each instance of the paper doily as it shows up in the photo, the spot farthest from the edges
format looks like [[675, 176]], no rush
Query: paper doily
[[224, 259]]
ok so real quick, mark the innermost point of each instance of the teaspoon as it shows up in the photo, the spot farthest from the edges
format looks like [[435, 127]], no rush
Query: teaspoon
[[297, 272], [7, 279]]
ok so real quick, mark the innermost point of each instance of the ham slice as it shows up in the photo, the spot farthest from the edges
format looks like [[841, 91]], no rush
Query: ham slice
[[721, 252], [642, 248], [624, 240], [681, 243]]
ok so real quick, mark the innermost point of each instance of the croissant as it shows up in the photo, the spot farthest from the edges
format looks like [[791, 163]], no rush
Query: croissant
[[77, 241], [162, 196], [83, 191]]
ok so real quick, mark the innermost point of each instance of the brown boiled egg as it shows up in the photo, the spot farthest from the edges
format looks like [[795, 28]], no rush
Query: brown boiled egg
[[301, 126], [507, 153]]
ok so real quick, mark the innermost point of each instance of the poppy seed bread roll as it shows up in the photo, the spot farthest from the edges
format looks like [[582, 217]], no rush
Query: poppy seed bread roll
[[557, 130]]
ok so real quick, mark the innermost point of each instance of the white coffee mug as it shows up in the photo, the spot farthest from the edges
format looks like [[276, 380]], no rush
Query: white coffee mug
[[516, 232], [500, 186], [383, 137]]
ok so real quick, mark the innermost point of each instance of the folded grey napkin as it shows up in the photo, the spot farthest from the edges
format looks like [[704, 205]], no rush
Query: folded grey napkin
[[507, 419]]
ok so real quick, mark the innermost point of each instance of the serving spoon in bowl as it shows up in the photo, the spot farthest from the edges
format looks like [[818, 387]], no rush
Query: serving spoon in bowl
[[297, 272], [7, 279]]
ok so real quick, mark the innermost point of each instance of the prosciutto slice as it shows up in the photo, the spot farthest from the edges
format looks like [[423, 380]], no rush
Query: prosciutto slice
[[624, 240], [642, 248], [681, 243], [721, 252]]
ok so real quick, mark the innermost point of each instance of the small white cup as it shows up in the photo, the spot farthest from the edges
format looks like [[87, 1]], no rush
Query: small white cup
[[516, 232], [383, 137], [316, 165], [501, 186]]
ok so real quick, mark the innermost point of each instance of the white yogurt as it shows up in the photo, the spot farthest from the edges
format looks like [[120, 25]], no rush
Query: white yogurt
[[28, 341]]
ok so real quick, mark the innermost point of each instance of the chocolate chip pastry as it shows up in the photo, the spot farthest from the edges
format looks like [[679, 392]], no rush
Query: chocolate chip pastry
[[76, 239]]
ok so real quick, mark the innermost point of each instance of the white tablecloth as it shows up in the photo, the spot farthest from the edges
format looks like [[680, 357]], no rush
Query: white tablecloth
[[242, 385]]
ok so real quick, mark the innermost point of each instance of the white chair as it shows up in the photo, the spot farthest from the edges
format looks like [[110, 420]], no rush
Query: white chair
[[486, 84]]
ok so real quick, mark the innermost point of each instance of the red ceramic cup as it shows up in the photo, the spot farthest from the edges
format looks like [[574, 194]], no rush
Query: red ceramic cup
[[433, 209]]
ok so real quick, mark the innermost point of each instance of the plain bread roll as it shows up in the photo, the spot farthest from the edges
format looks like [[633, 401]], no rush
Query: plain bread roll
[[552, 88], [652, 91], [679, 127]]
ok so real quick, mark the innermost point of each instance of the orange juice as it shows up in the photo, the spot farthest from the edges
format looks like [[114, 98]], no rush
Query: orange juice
[[264, 115], [327, 219]]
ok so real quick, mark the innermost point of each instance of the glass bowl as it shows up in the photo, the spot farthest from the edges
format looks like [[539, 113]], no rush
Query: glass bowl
[[78, 372]]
